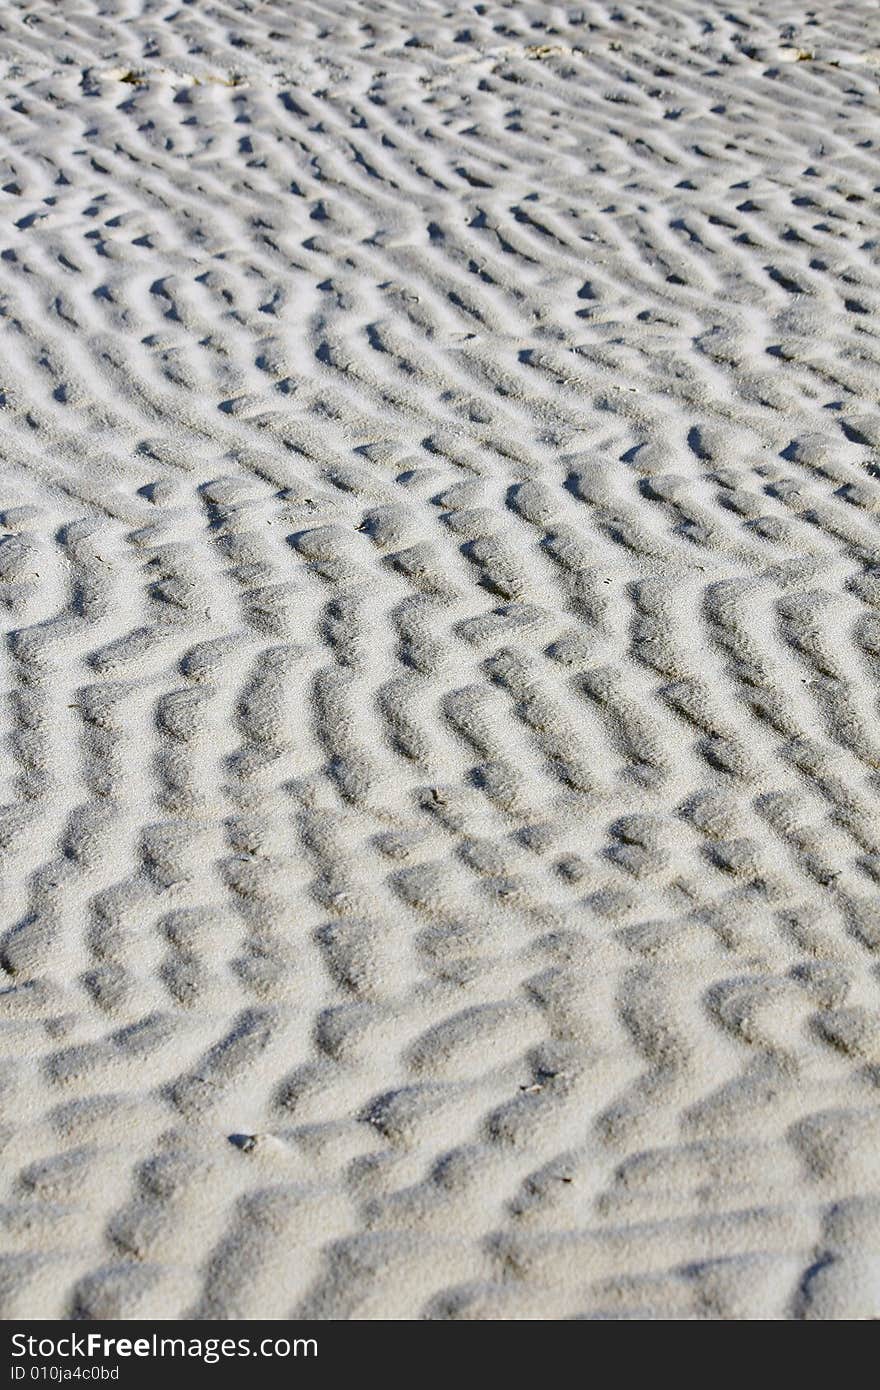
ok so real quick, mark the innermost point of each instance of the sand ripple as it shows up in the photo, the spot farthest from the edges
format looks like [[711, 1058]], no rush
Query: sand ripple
[[441, 575]]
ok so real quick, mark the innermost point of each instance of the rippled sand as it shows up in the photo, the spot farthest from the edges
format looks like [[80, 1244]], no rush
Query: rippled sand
[[441, 568]]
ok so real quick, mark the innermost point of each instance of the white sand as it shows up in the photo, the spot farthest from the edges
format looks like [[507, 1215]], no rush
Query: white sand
[[440, 842]]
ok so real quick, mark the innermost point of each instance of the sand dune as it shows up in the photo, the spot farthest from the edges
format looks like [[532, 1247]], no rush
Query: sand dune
[[440, 562]]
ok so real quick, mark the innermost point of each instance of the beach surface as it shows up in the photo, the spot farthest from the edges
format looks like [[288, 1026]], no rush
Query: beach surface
[[440, 576]]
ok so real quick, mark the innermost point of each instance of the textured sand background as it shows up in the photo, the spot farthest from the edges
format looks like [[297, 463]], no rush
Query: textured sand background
[[441, 569]]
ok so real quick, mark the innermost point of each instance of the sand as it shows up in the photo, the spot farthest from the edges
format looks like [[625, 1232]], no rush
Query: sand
[[440, 571]]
